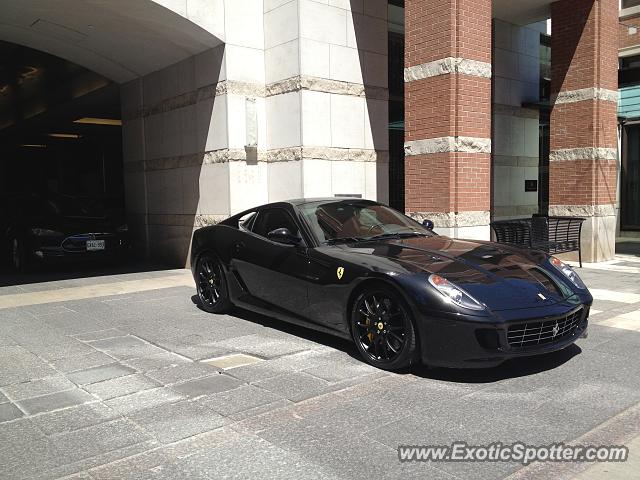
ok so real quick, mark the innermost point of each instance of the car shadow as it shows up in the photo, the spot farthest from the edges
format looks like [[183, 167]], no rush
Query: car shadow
[[77, 270], [305, 333], [518, 367], [513, 368], [628, 248]]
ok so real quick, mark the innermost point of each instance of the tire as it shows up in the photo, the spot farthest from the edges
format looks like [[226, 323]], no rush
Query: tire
[[382, 328], [17, 256], [211, 285]]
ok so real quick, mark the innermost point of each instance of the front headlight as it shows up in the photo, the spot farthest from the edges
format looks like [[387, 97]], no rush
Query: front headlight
[[45, 232], [453, 293], [568, 272]]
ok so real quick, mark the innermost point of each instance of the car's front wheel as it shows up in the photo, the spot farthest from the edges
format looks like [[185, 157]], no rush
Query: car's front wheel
[[17, 255], [382, 328], [211, 285]]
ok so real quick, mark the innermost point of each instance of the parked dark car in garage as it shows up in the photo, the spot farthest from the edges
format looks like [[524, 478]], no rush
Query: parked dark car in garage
[[39, 229], [401, 293]]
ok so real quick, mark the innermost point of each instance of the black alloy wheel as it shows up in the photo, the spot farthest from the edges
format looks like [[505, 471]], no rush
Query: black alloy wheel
[[382, 329], [211, 285]]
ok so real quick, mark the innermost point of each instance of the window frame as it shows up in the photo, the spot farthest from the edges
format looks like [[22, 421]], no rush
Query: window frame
[[301, 234], [247, 225], [319, 242]]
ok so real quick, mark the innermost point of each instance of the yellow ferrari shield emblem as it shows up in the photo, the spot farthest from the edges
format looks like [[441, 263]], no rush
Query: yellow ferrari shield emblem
[[340, 272]]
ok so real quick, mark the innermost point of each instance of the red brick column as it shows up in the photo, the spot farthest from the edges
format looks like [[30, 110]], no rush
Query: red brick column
[[448, 114], [584, 82]]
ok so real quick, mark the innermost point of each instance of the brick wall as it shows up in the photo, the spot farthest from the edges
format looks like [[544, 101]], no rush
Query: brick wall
[[584, 55], [584, 41], [447, 105], [626, 40], [436, 29], [583, 165], [587, 123], [448, 182], [432, 111]]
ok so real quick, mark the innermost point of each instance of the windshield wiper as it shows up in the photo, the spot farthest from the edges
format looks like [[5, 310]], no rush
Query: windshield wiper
[[398, 235], [334, 241]]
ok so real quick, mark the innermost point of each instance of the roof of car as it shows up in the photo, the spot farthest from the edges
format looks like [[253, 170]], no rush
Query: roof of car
[[302, 201]]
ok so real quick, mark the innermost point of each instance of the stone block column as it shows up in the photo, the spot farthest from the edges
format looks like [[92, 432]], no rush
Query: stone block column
[[583, 159], [448, 114]]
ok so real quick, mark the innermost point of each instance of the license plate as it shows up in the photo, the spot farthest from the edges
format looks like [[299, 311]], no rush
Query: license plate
[[93, 245]]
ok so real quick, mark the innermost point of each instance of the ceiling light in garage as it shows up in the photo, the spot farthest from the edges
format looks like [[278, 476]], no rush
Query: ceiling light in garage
[[65, 135], [99, 121]]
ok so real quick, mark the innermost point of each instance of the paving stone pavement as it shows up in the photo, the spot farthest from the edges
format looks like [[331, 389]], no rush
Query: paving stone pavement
[[115, 387]]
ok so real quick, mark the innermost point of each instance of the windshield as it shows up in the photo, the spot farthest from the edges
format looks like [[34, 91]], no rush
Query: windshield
[[357, 220]]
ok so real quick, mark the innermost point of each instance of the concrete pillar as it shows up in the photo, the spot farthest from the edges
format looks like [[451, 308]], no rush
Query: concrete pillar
[[327, 98], [191, 132], [583, 159], [174, 145], [448, 114], [295, 103]]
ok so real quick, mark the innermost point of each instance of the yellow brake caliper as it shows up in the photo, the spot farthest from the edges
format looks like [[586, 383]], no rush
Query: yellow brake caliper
[[370, 334]]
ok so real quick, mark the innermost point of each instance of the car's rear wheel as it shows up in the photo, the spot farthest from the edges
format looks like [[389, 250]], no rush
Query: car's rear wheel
[[382, 328], [211, 285]]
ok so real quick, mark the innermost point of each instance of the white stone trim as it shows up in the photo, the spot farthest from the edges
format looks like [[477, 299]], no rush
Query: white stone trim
[[608, 210], [256, 90], [447, 144], [289, 154], [584, 153], [325, 85], [345, 154], [454, 219], [447, 66], [583, 94], [206, 220]]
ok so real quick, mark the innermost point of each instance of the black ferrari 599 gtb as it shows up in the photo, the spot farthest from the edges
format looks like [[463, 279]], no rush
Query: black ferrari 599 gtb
[[363, 271]]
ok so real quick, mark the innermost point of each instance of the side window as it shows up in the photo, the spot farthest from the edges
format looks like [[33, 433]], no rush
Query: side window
[[271, 219], [246, 222]]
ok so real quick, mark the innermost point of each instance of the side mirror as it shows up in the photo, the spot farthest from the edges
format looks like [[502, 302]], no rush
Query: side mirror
[[283, 235], [428, 224]]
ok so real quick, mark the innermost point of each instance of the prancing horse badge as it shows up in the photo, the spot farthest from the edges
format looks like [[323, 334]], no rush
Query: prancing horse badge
[[340, 272]]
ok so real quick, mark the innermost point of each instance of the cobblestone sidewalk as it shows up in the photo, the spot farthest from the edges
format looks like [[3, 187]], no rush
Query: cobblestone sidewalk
[[130, 380]]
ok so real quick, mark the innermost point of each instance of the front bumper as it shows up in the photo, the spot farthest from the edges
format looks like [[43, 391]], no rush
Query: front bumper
[[462, 341], [74, 249]]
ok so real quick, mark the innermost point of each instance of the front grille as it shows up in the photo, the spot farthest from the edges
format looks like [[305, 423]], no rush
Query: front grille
[[539, 332]]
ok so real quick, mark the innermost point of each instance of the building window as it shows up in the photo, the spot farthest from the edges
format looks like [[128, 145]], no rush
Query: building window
[[630, 3], [544, 132], [629, 73], [630, 178], [545, 67]]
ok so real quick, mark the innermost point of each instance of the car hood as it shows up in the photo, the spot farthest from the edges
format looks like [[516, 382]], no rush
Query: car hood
[[499, 276], [74, 225]]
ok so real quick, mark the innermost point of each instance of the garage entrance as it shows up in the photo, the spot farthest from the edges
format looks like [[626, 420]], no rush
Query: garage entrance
[[60, 158], [67, 73], [61, 127]]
